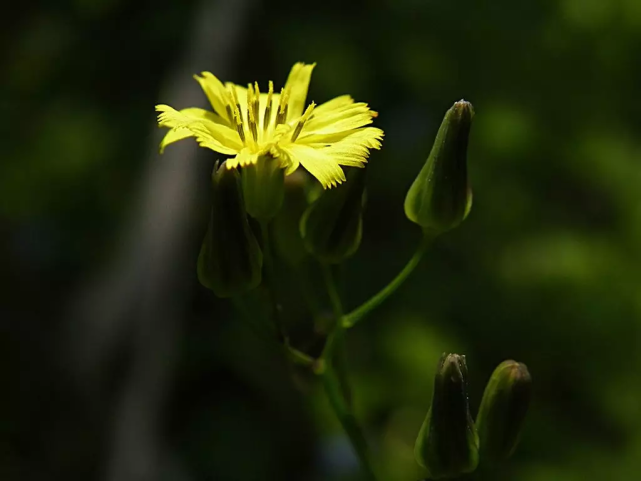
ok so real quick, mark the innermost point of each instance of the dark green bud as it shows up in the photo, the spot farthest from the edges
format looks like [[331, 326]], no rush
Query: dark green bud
[[332, 226], [503, 409], [447, 445], [230, 259], [286, 225], [440, 198], [263, 188]]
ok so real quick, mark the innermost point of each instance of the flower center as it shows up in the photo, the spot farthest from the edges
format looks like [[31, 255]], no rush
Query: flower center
[[249, 128]]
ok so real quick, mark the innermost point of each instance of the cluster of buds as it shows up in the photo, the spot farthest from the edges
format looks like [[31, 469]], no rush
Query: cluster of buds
[[449, 443], [331, 227], [230, 261]]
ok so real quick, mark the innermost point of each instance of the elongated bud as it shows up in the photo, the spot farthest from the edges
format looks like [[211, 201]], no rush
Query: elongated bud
[[447, 445], [332, 226], [230, 259], [263, 188], [503, 409], [440, 198]]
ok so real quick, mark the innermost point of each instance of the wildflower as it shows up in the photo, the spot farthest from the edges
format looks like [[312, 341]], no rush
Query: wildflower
[[249, 125]]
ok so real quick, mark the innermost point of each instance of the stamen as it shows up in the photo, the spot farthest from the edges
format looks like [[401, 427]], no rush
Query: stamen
[[235, 100], [256, 102], [251, 114], [302, 120], [268, 108], [236, 111], [282, 108]]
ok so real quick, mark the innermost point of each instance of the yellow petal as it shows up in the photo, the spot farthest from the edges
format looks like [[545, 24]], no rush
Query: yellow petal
[[354, 149], [215, 92], [370, 136], [286, 161], [346, 117], [298, 84], [335, 103], [245, 157], [207, 132], [174, 135], [318, 162], [177, 131]]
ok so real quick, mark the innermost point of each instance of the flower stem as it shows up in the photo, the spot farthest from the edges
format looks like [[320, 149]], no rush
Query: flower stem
[[333, 368], [293, 354], [268, 278], [364, 309]]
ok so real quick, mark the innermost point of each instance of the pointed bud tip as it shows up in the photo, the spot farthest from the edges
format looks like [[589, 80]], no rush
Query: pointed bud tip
[[453, 366], [464, 110], [515, 371]]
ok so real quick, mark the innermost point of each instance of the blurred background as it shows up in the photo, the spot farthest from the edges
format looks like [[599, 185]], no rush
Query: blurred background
[[117, 365]]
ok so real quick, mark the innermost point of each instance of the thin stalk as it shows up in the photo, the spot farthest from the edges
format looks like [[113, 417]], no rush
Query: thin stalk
[[268, 280], [293, 354], [334, 372], [364, 309]]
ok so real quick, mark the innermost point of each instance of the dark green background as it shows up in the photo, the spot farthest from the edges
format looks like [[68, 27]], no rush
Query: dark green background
[[545, 270]]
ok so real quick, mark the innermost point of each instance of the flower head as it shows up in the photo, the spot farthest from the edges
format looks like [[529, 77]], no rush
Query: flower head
[[247, 125]]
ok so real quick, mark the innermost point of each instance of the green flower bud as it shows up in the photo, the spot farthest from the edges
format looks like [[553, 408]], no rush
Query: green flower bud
[[332, 226], [503, 409], [263, 188], [447, 445], [230, 259], [440, 198], [285, 226]]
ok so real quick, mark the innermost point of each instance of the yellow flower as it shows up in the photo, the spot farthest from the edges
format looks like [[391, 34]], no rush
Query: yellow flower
[[248, 125]]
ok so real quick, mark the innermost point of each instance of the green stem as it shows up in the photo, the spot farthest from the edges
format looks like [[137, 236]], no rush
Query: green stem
[[293, 354], [333, 367], [348, 421], [268, 279], [364, 309]]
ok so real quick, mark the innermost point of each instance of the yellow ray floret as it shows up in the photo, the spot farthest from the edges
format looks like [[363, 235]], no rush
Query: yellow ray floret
[[247, 124]]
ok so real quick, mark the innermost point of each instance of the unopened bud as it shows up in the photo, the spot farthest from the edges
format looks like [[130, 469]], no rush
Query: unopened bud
[[332, 226], [447, 445], [230, 259], [263, 188], [503, 409], [440, 198]]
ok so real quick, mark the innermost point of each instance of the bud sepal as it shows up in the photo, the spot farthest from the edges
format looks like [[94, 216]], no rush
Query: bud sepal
[[332, 226], [230, 260], [440, 198], [502, 411], [447, 444]]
